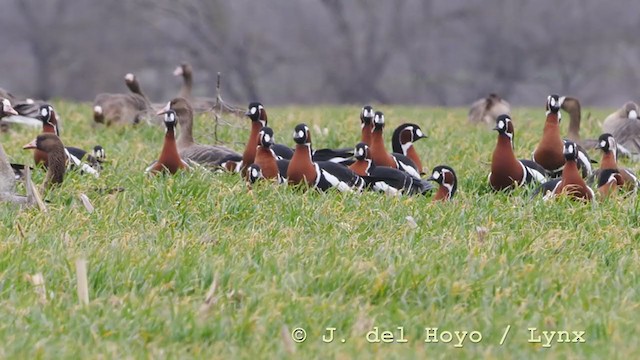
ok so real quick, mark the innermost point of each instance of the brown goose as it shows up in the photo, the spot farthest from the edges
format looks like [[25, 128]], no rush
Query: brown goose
[[121, 108], [623, 119], [53, 147], [488, 109], [205, 155], [624, 125], [199, 104], [628, 112]]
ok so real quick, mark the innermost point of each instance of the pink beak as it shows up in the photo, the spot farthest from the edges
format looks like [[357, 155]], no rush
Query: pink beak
[[8, 109], [164, 109], [31, 145]]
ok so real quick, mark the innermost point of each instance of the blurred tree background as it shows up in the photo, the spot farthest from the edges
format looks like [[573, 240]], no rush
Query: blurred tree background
[[432, 52]]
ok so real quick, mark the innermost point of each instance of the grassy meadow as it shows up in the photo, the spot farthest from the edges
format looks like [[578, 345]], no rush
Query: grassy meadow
[[282, 259]]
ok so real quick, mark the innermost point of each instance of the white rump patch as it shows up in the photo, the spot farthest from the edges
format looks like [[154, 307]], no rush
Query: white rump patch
[[178, 71], [633, 114], [97, 109]]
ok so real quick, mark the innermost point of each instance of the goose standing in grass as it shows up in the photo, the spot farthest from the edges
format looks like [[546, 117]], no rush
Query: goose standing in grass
[[628, 112], [402, 142], [624, 125], [47, 115], [607, 144], [169, 160], [447, 180], [506, 170], [266, 159], [488, 109], [210, 156], [380, 155], [120, 108], [199, 104], [322, 175], [53, 147], [609, 181], [366, 124], [571, 183], [385, 179], [549, 151]]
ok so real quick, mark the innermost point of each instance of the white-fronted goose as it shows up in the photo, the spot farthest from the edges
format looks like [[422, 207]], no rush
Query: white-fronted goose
[[121, 108], [488, 109], [199, 104], [57, 158], [624, 125], [206, 155]]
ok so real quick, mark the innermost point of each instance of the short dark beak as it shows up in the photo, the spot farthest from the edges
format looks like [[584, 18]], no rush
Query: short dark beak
[[430, 178], [247, 113], [495, 128]]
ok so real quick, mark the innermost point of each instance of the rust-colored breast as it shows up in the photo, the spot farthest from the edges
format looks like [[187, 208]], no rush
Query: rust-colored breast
[[301, 168], [267, 162], [413, 155], [442, 194], [379, 153], [572, 183], [40, 157], [505, 168], [360, 167]]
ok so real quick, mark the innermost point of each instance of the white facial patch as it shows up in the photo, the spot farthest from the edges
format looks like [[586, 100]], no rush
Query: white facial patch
[[552, 101], [603, 143], [267, 138], [129, 77], [360, 152], [501, 124], [300, 134], [254, 172], [436, 175], [253, 110], [633, 114], [44, 111], [419, 133], [570, 149], [170, 117]]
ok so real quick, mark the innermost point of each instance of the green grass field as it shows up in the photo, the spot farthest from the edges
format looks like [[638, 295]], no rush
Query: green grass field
[[283, 259]]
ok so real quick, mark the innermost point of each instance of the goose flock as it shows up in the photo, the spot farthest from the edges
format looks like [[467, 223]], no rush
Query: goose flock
[[558, 166]]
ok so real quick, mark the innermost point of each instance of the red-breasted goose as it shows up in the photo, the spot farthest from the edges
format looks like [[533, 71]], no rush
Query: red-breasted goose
[[506, 170], [210, 156], [169, 160]]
